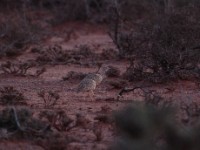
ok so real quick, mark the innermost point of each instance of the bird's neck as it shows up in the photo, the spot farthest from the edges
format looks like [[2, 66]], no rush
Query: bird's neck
[[102, 74]]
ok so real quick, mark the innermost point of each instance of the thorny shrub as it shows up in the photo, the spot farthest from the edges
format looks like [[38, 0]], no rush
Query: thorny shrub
[[72, 75], [134, 72], [39, 71], [65, 10], [9, 4], [18, 122], [68, 10], [7, 117], [109, 54], [53, 54], [57, 119], [62, 10], [145, 127], [113, 72], [18, 69], [166, 43], [11, 96], [49, 98], [84, 51], [84, 55], [192, 111], [16, 34]]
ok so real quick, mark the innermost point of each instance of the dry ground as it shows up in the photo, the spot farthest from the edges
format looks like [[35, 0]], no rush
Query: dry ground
[[97, 39]]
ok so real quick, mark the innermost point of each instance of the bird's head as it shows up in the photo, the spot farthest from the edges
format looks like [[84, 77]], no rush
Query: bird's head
[[103, 70]]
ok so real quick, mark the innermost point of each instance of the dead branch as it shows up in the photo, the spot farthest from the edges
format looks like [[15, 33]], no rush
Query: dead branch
[[16, 119], [126, 90], [27, 129]]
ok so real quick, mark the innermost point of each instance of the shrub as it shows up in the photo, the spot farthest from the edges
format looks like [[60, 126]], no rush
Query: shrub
[[67, 10], [84, 55], [18, 69], [72, 75], [57, 119], [53, 54], [49, 98], [166, 43], [16, 34], [113, 72], [20, 123], [7, 117], [147, 127], [109, 54], [10, 96]]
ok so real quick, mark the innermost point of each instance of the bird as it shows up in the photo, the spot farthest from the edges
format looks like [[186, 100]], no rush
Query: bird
[[91, 80]]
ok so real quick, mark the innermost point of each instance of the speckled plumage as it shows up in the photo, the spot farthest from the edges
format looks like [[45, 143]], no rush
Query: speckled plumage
[[95, 76], [86, 85], [89, 83]]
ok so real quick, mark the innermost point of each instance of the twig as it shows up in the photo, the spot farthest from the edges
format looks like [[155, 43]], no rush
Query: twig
[[28, 130], [126, 90], [16, 119]]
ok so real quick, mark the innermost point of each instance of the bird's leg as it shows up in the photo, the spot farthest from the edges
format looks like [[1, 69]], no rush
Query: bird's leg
[[91, 95]]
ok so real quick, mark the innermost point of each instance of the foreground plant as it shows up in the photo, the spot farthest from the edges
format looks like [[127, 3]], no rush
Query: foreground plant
[[16, 68], [49, 98], [146, 127], [10, 96]]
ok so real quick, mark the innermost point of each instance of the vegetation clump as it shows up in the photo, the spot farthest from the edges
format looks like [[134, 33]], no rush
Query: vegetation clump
[[10, 96], [144, 126]]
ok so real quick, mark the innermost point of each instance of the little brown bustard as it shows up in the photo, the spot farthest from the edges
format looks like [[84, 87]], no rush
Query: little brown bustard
[[91, 80]]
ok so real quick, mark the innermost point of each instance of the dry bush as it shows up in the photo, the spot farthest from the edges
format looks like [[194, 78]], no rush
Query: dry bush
[[67, 10], [150, 97], [18, 69], [192, 111], [58, 119], [53, 54], [117, 83], [113, 72], [7, 117], [37, 49], [17, 33], [20, 124], [171, 52], [166, 42], [49, 98], [153, 98], [40, 71], [109, 54], [98, 131], [56, 55], [84, 55], [74, 76], [145, 127], [84, 51], [13, 5], [11, 96], [134, 72], [63, 10], [123, 17]]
